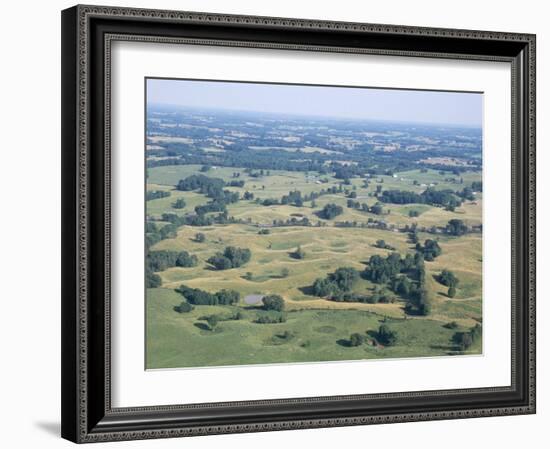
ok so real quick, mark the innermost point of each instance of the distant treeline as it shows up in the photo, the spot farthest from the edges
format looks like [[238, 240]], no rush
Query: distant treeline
[[362, 162]]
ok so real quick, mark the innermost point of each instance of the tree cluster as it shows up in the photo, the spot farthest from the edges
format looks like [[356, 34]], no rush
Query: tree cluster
[[430, 250], [273, 302], [456, 227], [337, 285], [232, 257], [156, 194], [330, 211], [443, 198], [447, 278], [162, 260], [179, 204], [197, 296], [464, 340], [386, 336]]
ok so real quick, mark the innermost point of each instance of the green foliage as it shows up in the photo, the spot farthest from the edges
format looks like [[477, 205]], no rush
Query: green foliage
[[448, 278], [336, 284], [264, 231], [464, 340], [443, 198], [200, 237], [356, 339], [273, 302], [179, 204], [477, 186], [386, 336], [330, 211], [451, 293], [197, 296], [162, 260], [232, 257], [271, 319], [383, 245], [456, 227], [184, 307], [212, 321], [156, 194], [430, 250], [152, 280], [299, 253]]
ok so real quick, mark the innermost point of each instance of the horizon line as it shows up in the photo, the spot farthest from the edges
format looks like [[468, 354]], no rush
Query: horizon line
[[339, 117]]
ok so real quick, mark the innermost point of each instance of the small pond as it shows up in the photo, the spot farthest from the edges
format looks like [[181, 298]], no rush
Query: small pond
[[253, 299]]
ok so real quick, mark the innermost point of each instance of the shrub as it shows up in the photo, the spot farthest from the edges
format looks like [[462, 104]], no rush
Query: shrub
[[184, 307], [179, 203], [232, 257], [273, 302], [448, 278], [152, 280], [299, 253], [212, 321], [356, 339], [330, 211], [386, 336]]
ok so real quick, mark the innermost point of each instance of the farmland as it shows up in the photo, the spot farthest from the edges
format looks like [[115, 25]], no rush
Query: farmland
[[292, 240]]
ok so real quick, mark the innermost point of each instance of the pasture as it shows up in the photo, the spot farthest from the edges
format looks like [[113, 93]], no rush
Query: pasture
[[316, 329]]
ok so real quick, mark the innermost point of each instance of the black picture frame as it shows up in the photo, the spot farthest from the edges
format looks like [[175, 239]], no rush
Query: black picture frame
[[87, 414]]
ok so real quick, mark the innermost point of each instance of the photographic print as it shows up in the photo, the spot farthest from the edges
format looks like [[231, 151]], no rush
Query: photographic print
[[292, 223]]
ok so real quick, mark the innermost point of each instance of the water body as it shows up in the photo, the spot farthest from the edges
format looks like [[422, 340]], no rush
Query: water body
[[253, 299]]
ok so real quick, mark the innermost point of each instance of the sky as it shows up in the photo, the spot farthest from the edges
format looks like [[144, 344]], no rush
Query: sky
[[414, 106]]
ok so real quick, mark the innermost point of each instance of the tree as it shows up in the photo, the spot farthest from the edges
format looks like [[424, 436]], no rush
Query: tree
[[356, 339], [456, 227], [448, 278], [451, 293], [200, 237], [299, 253], [152, 280], [285, 272], [386, 336], [156, 194], [377, 209], [212, 321], [273, 302], [232, 257], [463, 340], [184, 259], [197, 296], [330, 211], [184, 307], [430, 250], [179, 204], [345, 277]]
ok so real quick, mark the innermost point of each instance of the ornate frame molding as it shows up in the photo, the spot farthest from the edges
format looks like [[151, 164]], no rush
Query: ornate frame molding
[[80, 422]]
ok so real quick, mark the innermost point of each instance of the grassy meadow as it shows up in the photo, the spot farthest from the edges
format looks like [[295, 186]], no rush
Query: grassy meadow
[[316, 329]]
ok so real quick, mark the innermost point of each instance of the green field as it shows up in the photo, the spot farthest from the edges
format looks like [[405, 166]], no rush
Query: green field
[[316, 329], [315, 335]]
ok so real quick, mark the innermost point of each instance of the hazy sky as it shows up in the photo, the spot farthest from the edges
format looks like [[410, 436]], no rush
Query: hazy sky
[[451, 108]]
